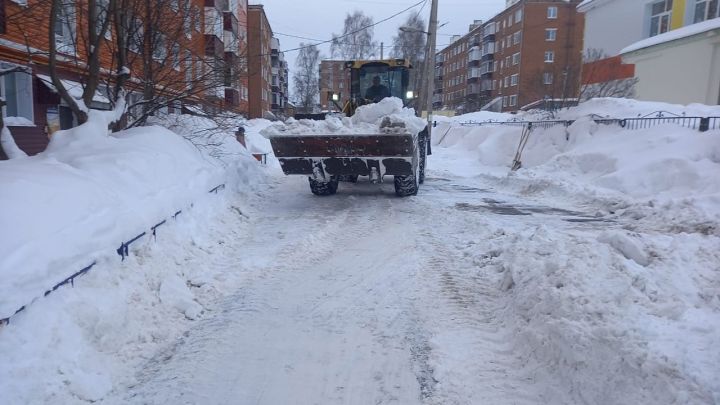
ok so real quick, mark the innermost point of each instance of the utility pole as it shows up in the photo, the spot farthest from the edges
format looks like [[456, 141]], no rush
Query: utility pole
[[382, 44], [430, 62]]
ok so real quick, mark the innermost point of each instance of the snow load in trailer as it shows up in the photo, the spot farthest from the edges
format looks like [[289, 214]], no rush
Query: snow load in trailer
[[376, 134]]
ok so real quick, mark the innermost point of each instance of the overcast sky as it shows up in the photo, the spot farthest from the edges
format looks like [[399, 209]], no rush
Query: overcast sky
[[319, 19]]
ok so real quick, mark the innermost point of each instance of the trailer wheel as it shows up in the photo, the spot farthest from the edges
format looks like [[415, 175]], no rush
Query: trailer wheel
[[323, 187]]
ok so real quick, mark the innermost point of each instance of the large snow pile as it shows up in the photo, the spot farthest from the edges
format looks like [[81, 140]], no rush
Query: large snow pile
[[367, 120], [90, 191], [647, 171], [623, 308], [74, 204]]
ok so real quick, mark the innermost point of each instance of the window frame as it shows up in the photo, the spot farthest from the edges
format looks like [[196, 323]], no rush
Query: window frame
[[552, 12], [551, 34], [551, 59], [24, 94], [663, 17]]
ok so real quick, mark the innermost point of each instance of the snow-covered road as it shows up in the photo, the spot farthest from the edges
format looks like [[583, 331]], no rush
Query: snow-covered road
[[366, 298]]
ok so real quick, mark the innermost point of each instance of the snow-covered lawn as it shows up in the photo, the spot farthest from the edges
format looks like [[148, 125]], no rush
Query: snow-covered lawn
[[591, 275]]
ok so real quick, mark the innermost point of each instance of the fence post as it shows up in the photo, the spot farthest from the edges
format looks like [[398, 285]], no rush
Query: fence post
[[704, 124]]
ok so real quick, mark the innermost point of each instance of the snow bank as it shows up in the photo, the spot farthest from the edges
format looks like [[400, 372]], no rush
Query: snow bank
[[622, 319], [74, 204], [91, 190], [367, 120], [664, 170]]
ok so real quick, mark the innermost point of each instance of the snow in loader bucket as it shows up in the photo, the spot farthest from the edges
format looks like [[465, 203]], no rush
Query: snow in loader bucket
[[354, 155]]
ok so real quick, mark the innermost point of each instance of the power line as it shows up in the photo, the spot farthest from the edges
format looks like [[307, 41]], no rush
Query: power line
[[356, 31]]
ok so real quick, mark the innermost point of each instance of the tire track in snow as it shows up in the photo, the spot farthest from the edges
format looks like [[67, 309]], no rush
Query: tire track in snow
[[339, 287]]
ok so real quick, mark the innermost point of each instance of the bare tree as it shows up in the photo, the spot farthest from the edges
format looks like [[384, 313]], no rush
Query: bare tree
[[65, 16], [609, 79], [356, 40], [306, 77], [410, 44]]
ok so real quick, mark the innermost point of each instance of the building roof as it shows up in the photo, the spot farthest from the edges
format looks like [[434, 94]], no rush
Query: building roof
[[673, 35], [588, 5]]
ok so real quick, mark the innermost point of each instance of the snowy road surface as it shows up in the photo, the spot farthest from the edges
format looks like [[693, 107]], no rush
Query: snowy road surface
[[365, 298]]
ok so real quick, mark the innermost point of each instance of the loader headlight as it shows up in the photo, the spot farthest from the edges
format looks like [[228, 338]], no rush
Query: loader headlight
[[409, 95], [335, 97]]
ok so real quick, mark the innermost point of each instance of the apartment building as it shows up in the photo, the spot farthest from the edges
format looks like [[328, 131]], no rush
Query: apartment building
[[334, 79], [260, 37], [538, 55], [528, 54], [279, 81], [234, 20], [34, 110], [452, 68]]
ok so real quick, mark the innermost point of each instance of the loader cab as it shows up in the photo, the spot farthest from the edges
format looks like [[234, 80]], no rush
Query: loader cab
[[394, 74]]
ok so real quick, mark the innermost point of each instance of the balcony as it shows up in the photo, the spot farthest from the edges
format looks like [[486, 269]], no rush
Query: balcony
[[474, 73], [488, 48], [214, 46], [489, 30], [475, 54], [231, 44], [213, 22]]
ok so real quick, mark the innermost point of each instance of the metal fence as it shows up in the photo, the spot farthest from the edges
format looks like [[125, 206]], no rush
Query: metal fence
[[701, 124]]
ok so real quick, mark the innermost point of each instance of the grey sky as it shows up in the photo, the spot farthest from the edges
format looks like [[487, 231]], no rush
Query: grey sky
[[319, 19]]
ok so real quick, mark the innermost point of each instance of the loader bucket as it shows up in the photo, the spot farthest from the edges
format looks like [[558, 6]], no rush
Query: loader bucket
[[345, 155]]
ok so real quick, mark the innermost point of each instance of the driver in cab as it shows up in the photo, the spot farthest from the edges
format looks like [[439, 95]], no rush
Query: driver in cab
[[377, 91]]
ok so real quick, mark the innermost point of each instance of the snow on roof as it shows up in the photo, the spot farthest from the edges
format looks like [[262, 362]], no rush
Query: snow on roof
[[673, 35], [75, 89]]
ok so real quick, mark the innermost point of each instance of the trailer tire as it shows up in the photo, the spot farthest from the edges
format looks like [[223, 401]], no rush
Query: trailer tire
[[323, 188]]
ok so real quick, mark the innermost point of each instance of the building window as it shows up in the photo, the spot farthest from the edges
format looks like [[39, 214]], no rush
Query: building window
[[175, 56], [517, 37], [102, 9], [552, 12], [174, 5], [188, 68], [196, 18], [518, 15], [514, 80], [550, 34], [516, 58], [16, 89], [135, 40], [706, 10], [65, 28], [507, 81], [549, 56], [661, 13], [505, 101], [513, 101], [159, 51], [547, 78]]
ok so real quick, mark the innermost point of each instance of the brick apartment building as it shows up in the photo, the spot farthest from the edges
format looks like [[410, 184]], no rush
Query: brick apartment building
[[279, 81], [34, 109], [260, 37], [452, 68], [527, 55], [203, 44], [334, 78]]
